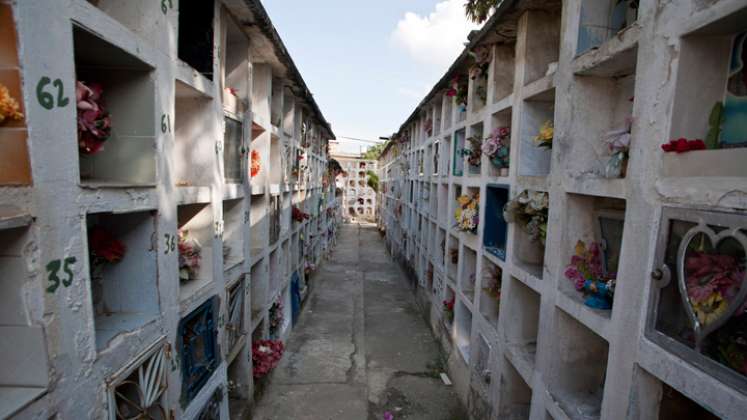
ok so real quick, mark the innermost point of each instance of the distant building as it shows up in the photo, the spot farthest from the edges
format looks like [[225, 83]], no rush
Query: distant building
[[358, 199]]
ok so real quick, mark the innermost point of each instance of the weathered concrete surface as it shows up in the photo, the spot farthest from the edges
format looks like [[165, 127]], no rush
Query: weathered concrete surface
[[361, 347]]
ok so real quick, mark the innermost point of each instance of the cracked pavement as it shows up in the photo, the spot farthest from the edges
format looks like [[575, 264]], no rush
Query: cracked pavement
[[361, 346]]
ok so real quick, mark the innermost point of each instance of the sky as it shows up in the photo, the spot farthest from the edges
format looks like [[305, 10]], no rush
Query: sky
[[368, 64]]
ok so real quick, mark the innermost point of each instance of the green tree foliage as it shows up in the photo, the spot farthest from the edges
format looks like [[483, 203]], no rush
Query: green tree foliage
[[373, 180], [479, 10], [373, 152]]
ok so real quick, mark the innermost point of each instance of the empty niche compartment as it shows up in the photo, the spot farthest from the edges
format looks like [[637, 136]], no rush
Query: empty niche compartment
[[594, 226], [675, 405], [468, 278], [139, 16], [448, 112], [714, 51], [194, 145], [23, 376], [123, 272], [581, 367], [440, 245], [196, 44], [197, 345], [233, 151], [709, 249], [539, 113], [601, 125], [235, 328], [523, 311], [462, 329], [515, 394], [496, 229], [259, 278], [259, 219], [542, 44], [445, 156], [434, 200], [276, 161], [141, 386], [236, 72], [602, 19], [490, 291], [196, 235], [274, 218], [276, 104], [437, 116], [289, 113], [128, 156], [457, 155], [276, 276], [503, 70], [473, 149], [443, 203], [15, 167], [234, 224]]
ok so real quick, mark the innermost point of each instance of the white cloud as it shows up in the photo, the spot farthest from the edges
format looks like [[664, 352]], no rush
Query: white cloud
[[436, 39]]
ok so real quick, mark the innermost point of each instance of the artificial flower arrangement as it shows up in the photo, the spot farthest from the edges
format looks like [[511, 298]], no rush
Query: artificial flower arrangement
[[467, 213], [299, 215], [474, 152], [104, 249], [266, 355], [618, 144], [713, 280], [448, 308], [10, 110], [255, 163], [94, 122], [276, 318], [715, 120], [530, 211], [497, 147], [479, 70], [683, 145], [190, 256], [494, 278], [545, 136], [587, 273], [459, 90]]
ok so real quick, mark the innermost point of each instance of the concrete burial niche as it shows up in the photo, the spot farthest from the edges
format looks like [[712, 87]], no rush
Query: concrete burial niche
[[534, 160], [125, 293], [234, 223], [708, 49], [523, 313], [197, 221], [196, 36], [462, 329], [468, 278], [15, 168], [194, 145], [580, 370], [515, 395], [23, 373], [234, 155], [490, 280], [495, 229], [128, 157], [601, 19]]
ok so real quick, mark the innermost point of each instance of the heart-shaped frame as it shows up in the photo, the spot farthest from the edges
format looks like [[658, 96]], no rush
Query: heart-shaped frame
[[702, 331]]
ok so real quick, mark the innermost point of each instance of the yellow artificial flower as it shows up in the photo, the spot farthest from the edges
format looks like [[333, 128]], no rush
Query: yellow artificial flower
[[463, 200], [711, 309], [545, 136], [9, 108]]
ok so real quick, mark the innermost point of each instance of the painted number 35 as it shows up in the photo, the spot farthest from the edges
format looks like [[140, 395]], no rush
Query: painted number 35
[[53, 270]]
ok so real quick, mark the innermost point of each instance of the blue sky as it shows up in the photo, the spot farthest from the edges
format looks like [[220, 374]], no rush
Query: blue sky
[[369, 64]]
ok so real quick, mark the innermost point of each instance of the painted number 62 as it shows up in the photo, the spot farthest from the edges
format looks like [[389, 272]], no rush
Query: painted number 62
[[46, 100]]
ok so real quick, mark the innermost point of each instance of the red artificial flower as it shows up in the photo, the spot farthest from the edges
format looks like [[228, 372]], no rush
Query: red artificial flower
[[104, 245], [255, 166], [682, 145]]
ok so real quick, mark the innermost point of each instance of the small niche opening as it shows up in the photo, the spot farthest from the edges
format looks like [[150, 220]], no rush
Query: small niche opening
[[516, 395], [601, 20], [542, 47], [128, 156], [491, 286], [523, 310], [457, 155], [124, 288], [193, 125], [196, 233], [579, 384], [500, 144], [539, 113], [233, 151], [259, 277], [196, 35], [496, 229], [234, 221], [503, 71], [463, 329], [468, 278]]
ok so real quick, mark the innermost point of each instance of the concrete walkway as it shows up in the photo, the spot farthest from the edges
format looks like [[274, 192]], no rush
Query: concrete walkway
[[361, 347]]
